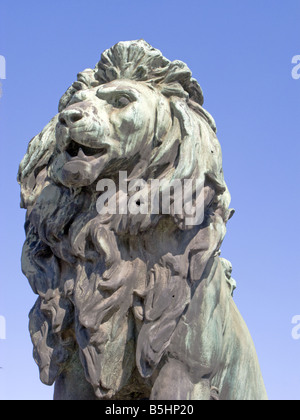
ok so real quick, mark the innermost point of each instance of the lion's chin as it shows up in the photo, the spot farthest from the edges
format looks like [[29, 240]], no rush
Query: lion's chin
[[80, 173]]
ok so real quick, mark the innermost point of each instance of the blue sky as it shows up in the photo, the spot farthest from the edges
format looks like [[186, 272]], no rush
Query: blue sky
[[241, 54]]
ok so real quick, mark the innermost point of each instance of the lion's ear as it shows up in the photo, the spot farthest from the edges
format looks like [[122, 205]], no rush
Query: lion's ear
[[35, 162]]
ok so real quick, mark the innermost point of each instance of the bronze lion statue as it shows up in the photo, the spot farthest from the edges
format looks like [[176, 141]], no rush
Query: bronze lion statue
[[132, 305]]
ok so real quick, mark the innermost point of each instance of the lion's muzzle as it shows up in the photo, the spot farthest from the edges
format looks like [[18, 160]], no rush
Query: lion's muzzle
[[81, 142]]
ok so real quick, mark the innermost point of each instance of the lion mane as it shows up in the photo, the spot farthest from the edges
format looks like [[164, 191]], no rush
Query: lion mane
[[115, 292]]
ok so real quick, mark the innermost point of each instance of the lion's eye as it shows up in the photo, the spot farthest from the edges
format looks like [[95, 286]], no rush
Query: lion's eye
[[121, 102], [116, 98]]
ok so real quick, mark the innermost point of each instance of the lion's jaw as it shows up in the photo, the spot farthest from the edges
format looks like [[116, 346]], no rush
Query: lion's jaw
[[113, 122]]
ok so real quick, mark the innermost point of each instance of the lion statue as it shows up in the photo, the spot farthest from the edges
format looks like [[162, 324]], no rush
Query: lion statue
[[132, 305]]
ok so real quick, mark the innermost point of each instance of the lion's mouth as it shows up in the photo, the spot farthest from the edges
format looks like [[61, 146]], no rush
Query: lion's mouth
[[76, 150]]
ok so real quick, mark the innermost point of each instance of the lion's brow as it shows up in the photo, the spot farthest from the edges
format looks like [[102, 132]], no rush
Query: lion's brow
[[108, 92]]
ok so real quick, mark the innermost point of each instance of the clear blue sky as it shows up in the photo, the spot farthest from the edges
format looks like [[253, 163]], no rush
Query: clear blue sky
[[241, 54]]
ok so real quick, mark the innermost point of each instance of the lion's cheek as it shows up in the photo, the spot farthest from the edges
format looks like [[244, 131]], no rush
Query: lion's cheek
[[133, 130]]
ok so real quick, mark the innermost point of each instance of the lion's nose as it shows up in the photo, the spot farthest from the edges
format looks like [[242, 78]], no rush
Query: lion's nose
[[70, 117]]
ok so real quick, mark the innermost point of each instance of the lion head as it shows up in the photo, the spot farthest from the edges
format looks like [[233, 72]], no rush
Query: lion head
[[105, 127], [111, 289]]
